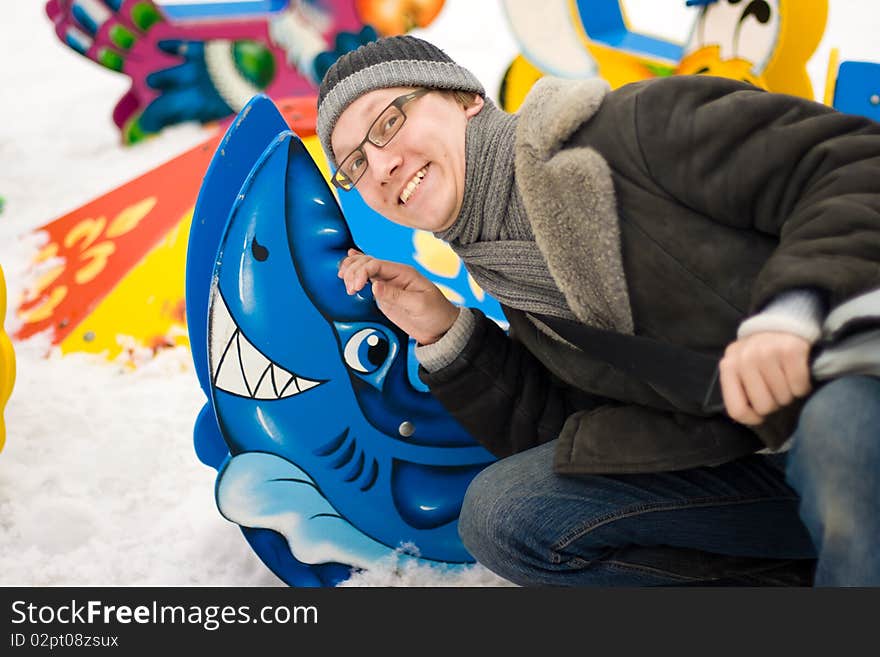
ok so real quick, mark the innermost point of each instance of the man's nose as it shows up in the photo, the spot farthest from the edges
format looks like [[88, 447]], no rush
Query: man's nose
[[384, 162]]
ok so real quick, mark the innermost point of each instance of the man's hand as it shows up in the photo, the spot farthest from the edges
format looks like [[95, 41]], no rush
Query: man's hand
[[404, 296], [762, 373]]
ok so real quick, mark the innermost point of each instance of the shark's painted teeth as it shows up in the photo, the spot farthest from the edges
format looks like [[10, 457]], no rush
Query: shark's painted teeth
[[240, 368]]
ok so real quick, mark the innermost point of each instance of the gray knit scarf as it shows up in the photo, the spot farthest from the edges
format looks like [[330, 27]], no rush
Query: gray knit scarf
[[492, 234]]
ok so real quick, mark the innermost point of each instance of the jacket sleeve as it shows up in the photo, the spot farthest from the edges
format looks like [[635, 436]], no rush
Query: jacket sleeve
[[779, 164], [501, 393]]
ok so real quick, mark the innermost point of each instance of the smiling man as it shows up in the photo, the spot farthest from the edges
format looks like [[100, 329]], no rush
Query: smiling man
[[425, 191], [691, 213]]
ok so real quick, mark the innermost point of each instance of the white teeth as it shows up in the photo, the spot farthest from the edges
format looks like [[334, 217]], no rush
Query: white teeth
[[238, 367], [253, 363], [281, 378], [289, 388], [229, 377], [304, 384], [221, 330], [412, 184], [264, 387]]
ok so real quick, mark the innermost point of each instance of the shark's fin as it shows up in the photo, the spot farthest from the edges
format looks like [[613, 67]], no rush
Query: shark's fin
[[208, 441], [265, 491]]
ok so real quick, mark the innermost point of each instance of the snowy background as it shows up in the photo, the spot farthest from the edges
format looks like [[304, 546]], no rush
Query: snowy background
[[99, 484]]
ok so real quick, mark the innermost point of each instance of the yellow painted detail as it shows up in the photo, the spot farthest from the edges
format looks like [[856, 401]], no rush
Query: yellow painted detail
[[86, 231], [802, 24], [450, 294], [95, 259], [45, 309], [129, 218], [42, 283], [519, 78], [435, 255], [47, 252], [147, 304], [707, 61], [7, 361], [313, 146], [618, 67], [476, 290], [831, 76]]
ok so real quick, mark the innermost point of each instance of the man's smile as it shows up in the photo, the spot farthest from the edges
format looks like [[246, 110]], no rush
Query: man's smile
[[411, 185]]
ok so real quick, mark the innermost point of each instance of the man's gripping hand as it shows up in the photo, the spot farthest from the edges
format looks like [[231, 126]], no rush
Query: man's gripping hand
[[763, 372], [408, 299]]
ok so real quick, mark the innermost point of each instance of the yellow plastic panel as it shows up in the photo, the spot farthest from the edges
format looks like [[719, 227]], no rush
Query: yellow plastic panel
[[7, 361], [147, 304]]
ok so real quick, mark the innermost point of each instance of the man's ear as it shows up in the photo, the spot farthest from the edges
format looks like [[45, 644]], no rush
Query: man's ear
[[473, 109]]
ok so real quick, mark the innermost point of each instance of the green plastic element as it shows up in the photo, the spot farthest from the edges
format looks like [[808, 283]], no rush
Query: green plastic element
[[111, 59], [2, 204], [255, 62], [132, 132], [660, 70], [122, 37], [145, 15]]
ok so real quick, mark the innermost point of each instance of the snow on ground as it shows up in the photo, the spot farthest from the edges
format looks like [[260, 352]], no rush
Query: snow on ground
[[99, 484]]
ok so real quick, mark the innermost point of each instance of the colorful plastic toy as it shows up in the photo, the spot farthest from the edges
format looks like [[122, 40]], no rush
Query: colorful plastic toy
[[329, 456], [181, 10], [7, 361], [548, 38], [391, 17], [622, 54], [569, 38], [203, 61], [119, 263], [605, 23], [856, 89], [120, 258], [767, 43]]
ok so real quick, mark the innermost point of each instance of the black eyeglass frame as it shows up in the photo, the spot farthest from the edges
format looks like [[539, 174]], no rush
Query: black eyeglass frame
[[340, 179]]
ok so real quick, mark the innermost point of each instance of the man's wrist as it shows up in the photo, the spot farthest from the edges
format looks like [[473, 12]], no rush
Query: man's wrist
[[453, 315], [436, 355], [798, 312]]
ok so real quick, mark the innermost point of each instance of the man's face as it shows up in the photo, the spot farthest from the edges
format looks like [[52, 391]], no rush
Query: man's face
[[416, 179]]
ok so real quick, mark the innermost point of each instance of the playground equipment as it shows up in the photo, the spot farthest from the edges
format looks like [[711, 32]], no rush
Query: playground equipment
[[118, 261], [7, 361], [766, 43], [328, 456], [203, 61], [854, 87]]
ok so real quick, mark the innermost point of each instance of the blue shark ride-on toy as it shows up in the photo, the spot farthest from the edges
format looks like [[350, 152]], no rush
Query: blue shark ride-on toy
[[329, 456]]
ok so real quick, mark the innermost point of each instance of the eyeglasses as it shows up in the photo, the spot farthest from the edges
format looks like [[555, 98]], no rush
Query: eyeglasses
[[381, 131]]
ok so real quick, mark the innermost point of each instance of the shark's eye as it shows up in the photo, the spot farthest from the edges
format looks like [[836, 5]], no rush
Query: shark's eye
[[259, 251], [366, 350]]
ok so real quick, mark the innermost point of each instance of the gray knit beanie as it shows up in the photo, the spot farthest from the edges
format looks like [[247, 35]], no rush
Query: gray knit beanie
[[398, 61]]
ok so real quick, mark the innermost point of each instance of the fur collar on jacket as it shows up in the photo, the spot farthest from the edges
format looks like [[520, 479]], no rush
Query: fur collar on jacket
[[569, 196]]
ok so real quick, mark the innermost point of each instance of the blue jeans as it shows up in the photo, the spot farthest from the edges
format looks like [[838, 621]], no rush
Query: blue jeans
[[760, 520], [834, 465]]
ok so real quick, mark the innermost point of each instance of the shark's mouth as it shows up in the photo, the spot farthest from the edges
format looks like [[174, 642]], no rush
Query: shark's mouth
[[239, 368]]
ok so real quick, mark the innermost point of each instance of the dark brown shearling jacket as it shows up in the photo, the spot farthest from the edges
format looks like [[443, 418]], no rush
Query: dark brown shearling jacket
[[671, 209]]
